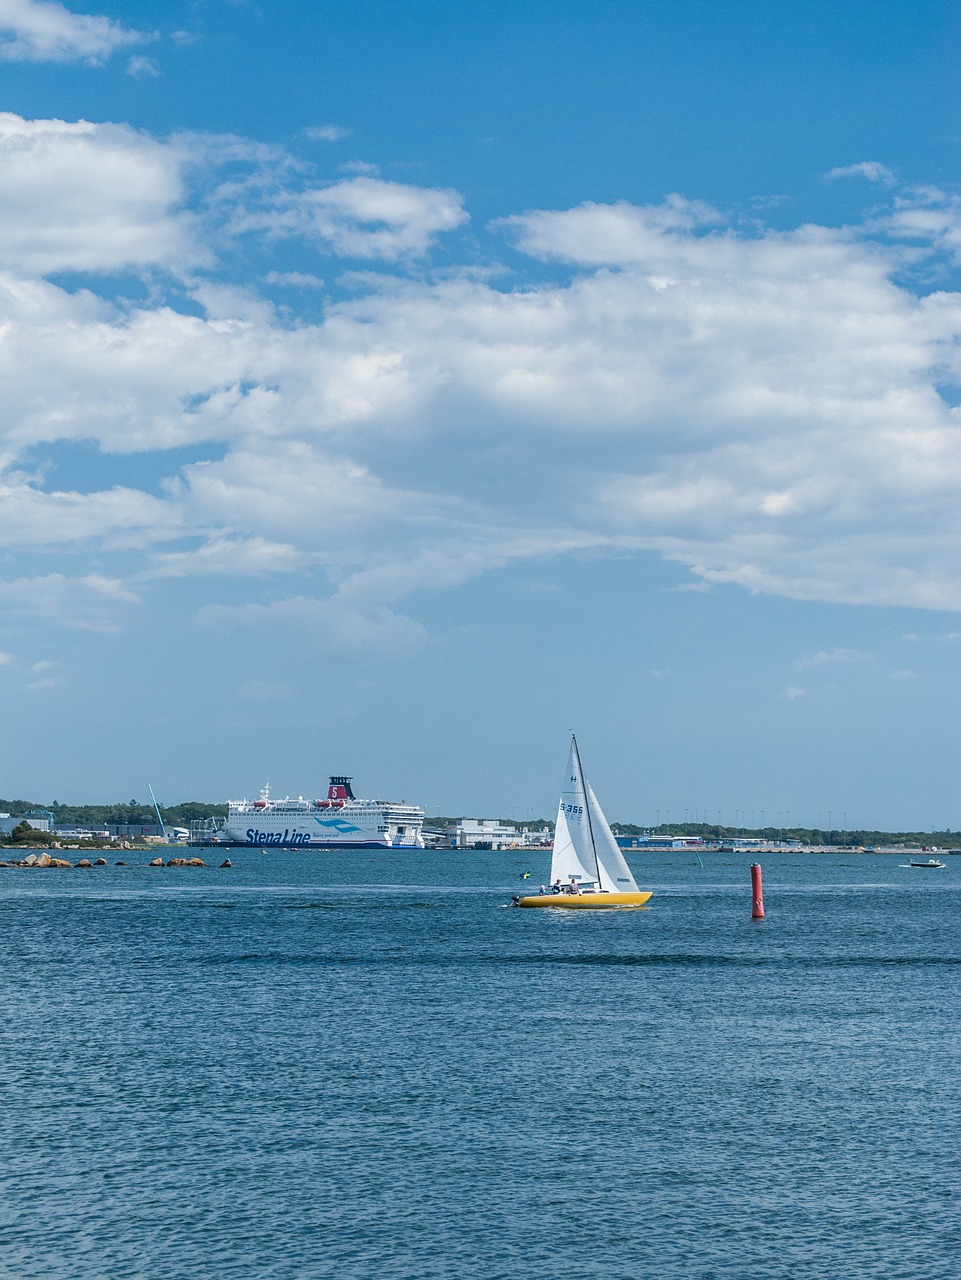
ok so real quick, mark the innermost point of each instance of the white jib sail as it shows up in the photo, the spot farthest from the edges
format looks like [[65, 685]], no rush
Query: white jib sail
[[585, 850]]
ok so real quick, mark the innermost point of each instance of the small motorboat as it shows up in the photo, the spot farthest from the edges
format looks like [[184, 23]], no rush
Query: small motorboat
[[932, 864]]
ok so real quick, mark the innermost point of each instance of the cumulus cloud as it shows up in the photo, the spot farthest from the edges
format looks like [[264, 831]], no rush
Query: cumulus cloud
[[41, 31], [33, 518], [361, 217], [599, 234], [91, 197], [770, 409], [870, 169]]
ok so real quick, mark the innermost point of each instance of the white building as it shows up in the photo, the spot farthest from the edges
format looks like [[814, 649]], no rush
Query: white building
[[490, 833], [39, 819]]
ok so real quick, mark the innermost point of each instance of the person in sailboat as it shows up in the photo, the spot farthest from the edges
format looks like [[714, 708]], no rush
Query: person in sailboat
[[556, 886], [573, 886]]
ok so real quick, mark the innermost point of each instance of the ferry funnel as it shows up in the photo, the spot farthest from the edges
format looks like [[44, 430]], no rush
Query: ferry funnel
[[340, 789]]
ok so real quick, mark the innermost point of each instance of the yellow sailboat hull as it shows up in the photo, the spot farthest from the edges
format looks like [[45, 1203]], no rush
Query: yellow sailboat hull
[[584, 901]]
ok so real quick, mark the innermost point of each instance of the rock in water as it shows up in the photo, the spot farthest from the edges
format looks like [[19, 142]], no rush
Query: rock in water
[[43, 860], [101, 862], [226, 863], [84, 862], [157, 862]]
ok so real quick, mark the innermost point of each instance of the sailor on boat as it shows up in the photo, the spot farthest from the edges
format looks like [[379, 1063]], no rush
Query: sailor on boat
[[587, 867]]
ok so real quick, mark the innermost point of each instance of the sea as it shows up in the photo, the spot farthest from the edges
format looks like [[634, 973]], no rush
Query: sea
[[368, 1065]]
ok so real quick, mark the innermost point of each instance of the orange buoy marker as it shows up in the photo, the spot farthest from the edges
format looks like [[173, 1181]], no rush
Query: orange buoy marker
[[757, 905]]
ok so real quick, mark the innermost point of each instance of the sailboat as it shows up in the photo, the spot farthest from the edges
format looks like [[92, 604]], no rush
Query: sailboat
[[587, 867]]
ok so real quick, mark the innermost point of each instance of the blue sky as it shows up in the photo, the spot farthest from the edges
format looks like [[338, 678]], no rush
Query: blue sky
[[390, 389]]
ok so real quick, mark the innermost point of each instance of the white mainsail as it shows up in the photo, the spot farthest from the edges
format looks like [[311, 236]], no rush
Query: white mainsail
[[585, 850]]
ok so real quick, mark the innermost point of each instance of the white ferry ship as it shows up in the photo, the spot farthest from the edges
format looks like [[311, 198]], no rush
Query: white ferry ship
[[340, 820]]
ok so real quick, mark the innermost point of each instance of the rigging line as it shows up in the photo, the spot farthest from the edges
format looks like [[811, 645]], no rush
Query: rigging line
[[587, 810]]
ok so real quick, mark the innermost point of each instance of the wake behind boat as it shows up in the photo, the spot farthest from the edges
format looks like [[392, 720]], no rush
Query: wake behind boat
[[587, 867]]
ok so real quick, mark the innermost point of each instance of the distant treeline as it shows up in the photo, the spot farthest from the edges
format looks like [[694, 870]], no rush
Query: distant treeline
[[181, 815], [712, 831], [134, 812]]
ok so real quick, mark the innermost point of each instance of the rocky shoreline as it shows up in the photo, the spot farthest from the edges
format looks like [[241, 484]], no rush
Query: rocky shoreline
[[46, 861]]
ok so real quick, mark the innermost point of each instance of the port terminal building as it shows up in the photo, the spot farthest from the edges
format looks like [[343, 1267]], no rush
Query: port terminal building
[[39, 819], [491, 833]]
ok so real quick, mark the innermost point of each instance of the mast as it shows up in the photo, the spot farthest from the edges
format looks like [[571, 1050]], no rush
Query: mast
[[157, 808], [587, 810]]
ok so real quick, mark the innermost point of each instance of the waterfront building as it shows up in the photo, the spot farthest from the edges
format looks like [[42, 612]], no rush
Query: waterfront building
[[39, 819], [491, 833]]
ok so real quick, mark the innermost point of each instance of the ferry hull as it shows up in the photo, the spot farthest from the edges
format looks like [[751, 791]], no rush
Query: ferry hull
[[584, 901], [287, 838]]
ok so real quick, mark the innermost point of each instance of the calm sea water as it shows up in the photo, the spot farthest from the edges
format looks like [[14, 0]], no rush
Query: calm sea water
[[321, 1065]]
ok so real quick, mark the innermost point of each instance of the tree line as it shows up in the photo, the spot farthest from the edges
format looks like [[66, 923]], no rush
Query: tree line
[[137, 812], [132, 813]]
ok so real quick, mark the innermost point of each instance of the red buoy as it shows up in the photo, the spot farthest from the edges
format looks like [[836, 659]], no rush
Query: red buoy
[[757, 906]]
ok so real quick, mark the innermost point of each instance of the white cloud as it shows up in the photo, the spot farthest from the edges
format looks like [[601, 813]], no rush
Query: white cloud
[[792, 692], [139, 66], [597, 234], [226, 556], [90, 197], [763, 408], [33, 518], [86, 604], [5, 659], [870, 169], [39, 31], [326, 133], [360, 217], [44, 682], [295, 279]]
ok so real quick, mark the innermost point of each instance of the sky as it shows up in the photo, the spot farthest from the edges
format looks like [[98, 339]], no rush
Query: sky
[[391, 389]]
